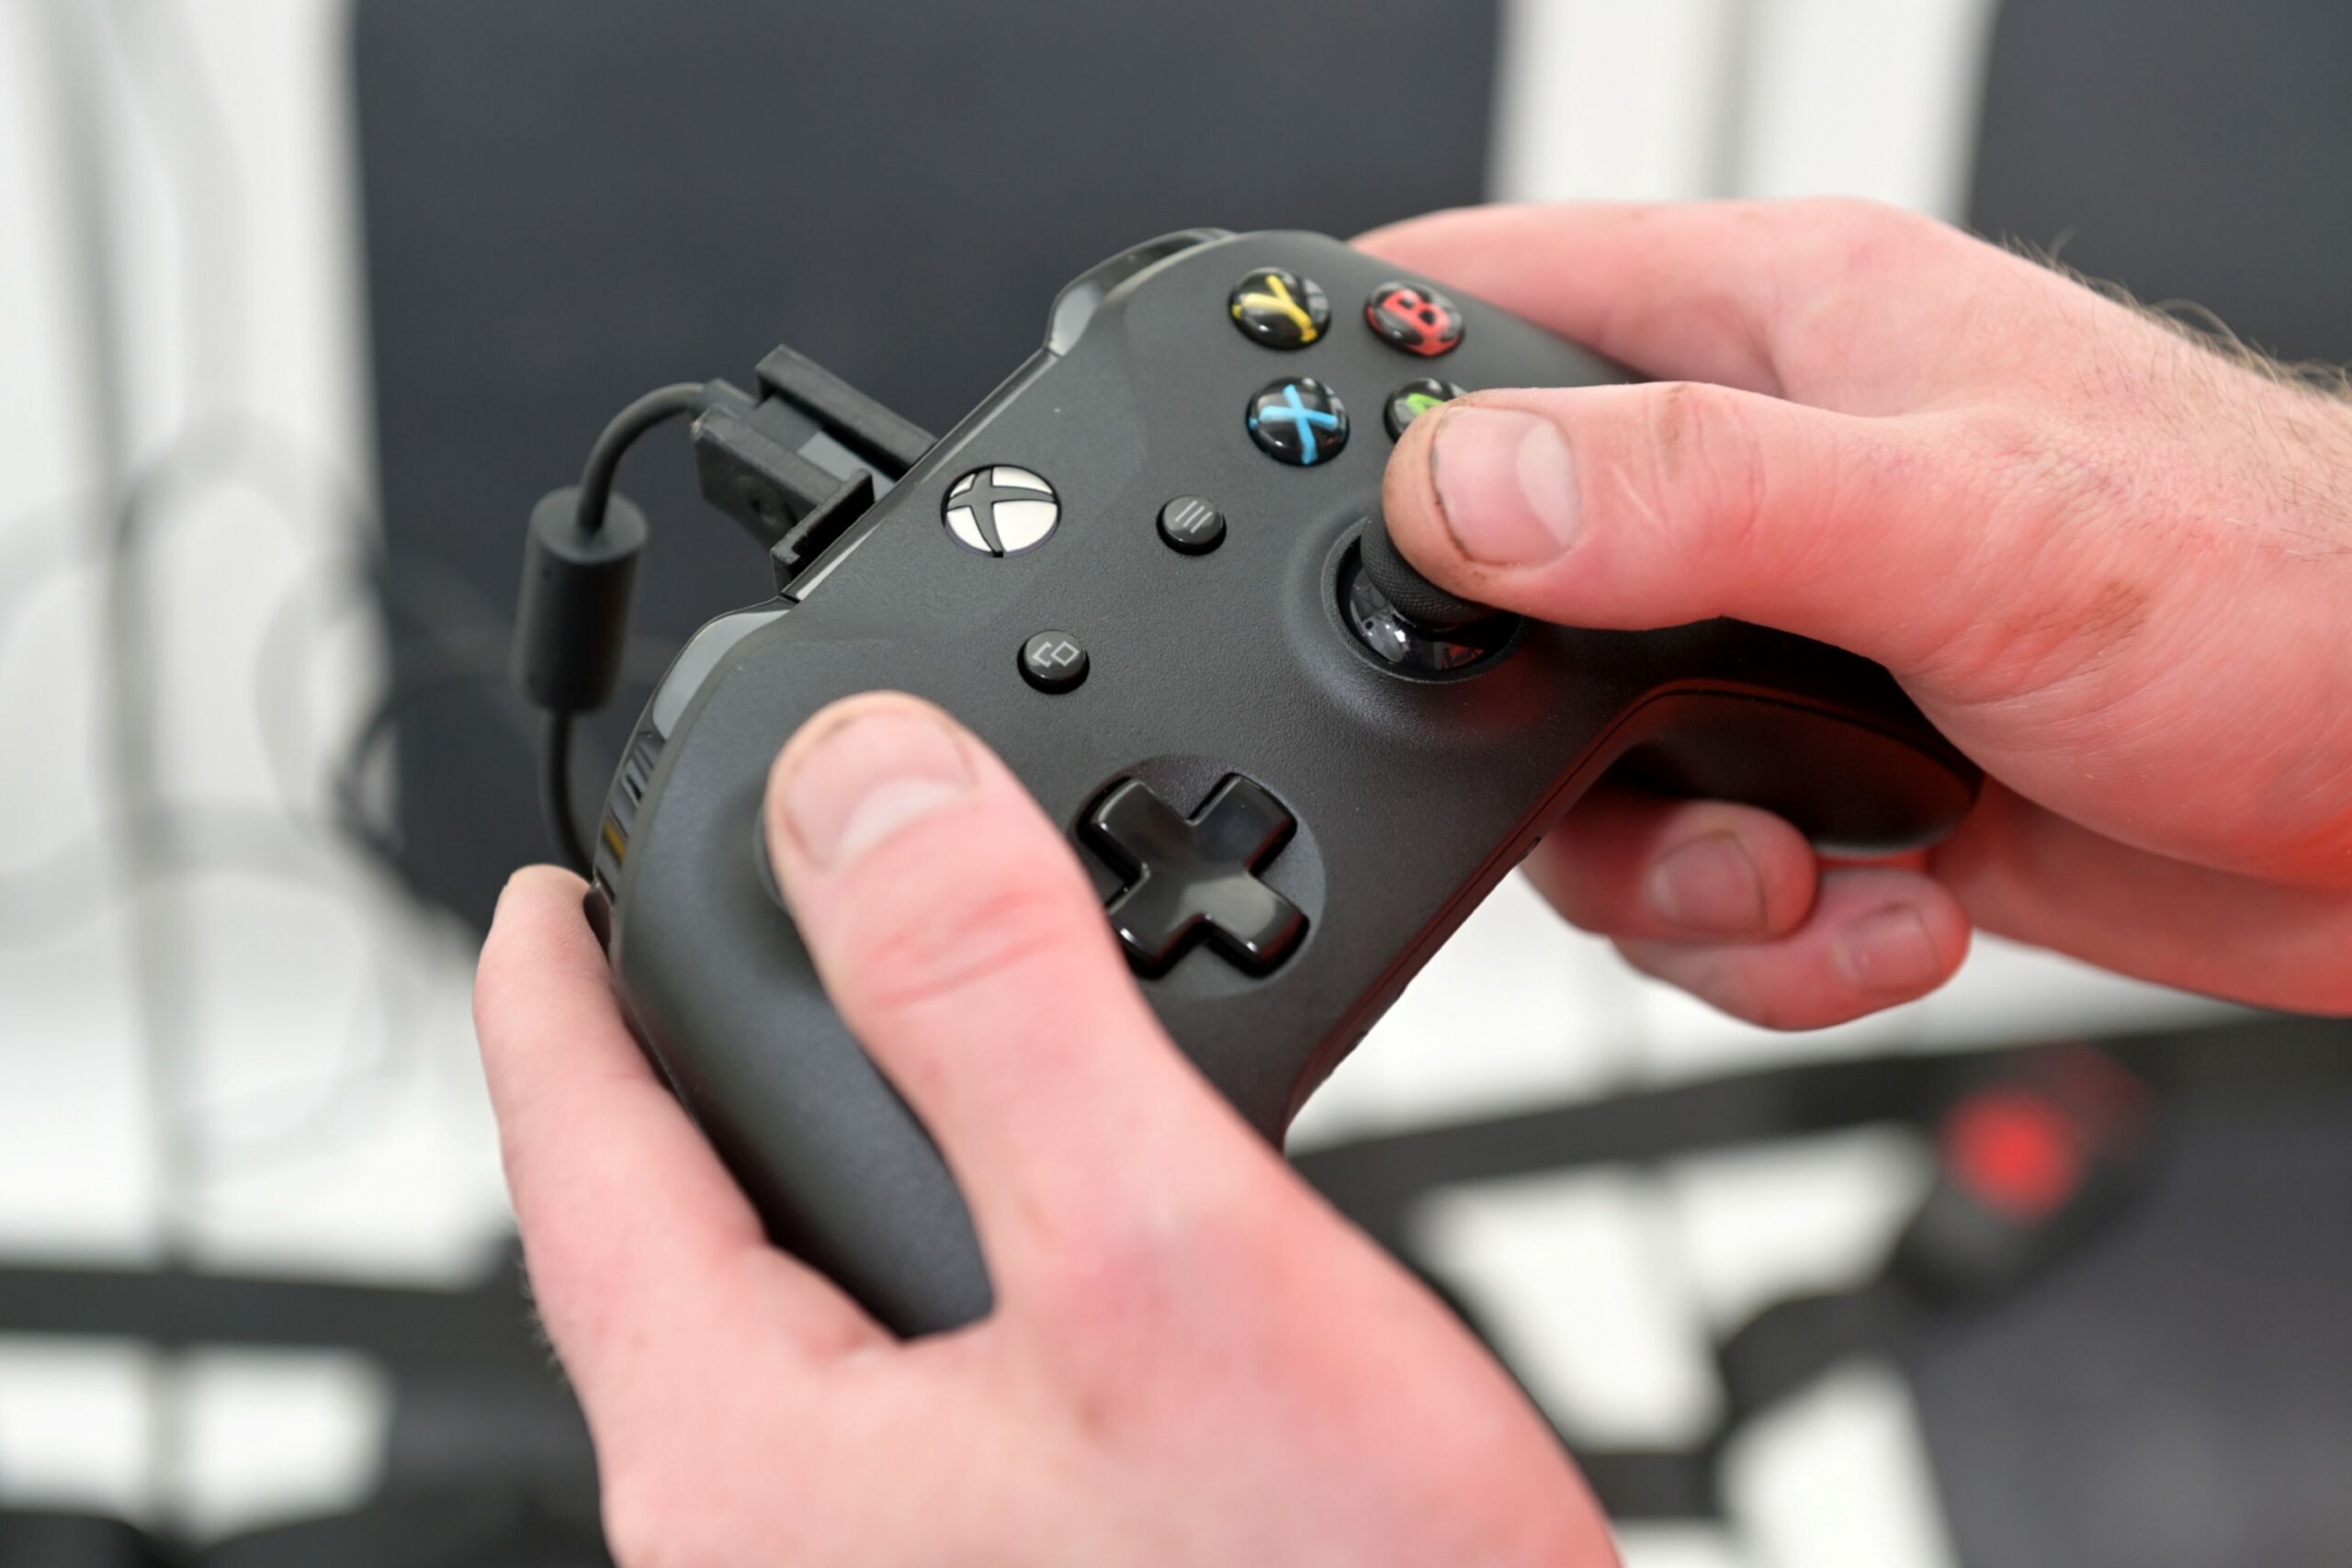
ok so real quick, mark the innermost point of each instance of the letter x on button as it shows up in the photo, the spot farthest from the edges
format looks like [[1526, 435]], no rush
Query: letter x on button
[[1195, 879]]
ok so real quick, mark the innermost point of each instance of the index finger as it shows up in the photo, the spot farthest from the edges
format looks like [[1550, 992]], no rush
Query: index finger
[[651, 1269], [1845, 305]]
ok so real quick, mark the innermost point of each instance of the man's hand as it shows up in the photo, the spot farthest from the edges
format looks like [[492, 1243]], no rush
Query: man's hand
[[1192, 1360], [2111, 564]]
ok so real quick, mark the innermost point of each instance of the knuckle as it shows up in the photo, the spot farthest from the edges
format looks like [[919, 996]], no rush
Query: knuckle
[[1837, 270], [1706, 465], [1865, 235]]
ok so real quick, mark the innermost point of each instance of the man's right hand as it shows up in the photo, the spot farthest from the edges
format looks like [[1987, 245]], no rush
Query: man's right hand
[[2110, 563]]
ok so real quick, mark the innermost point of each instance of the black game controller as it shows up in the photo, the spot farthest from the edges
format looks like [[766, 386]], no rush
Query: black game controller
[[1150, 571]]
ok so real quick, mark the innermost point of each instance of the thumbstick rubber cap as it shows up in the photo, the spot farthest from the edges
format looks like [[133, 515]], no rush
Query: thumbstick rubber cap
[[1415, 597]]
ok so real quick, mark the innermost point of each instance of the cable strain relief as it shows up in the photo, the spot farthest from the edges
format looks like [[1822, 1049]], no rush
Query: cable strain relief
[[571, 620]]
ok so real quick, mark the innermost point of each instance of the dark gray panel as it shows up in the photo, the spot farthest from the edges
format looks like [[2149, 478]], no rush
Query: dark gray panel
[[2189, 149], [568, 201]]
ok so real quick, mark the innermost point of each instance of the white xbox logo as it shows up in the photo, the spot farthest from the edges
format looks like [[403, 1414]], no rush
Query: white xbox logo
[[1001, 511]]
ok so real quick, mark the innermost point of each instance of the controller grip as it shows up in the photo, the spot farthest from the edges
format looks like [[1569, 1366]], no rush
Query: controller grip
[[1853, 788], [1726, 710], [728, 1004]]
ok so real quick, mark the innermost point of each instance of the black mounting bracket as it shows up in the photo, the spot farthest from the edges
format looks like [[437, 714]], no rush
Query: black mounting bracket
[[802, 460]]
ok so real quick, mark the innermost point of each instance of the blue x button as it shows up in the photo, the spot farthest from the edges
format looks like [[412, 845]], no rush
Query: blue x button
[[1298, 421]]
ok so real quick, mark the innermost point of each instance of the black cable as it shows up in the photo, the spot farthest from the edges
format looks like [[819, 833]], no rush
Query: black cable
[[604, 458], [555, 792], [427, 670], [572, 628]]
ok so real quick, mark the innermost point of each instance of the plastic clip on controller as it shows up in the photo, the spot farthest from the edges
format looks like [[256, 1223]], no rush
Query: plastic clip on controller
[[798, 464], [580, 559], [794, 466], [1150, 571]]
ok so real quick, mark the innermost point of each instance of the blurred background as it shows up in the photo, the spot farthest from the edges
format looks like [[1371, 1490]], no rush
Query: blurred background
[[303, 302]]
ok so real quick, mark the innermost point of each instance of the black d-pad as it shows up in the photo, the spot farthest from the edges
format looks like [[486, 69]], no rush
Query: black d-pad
[[1195, 879]]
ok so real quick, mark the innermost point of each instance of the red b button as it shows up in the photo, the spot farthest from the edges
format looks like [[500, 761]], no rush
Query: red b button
[[1415, 318]]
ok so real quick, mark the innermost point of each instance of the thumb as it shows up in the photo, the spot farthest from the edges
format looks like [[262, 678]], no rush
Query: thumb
[[1634, 507], [969, 955]]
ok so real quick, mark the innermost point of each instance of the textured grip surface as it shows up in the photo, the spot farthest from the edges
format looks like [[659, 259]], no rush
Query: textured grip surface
[[1417, 599]]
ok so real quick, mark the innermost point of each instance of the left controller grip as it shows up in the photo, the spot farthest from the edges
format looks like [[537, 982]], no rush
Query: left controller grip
[[729, 1004]]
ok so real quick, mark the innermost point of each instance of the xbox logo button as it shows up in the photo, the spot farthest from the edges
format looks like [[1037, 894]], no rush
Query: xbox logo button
[[1001, 510]]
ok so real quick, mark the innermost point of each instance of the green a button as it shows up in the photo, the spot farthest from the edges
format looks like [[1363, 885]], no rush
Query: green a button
[[1414, 398]]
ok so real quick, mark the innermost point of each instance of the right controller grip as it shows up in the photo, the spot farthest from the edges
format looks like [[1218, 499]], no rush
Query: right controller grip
[[1854, 783]]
